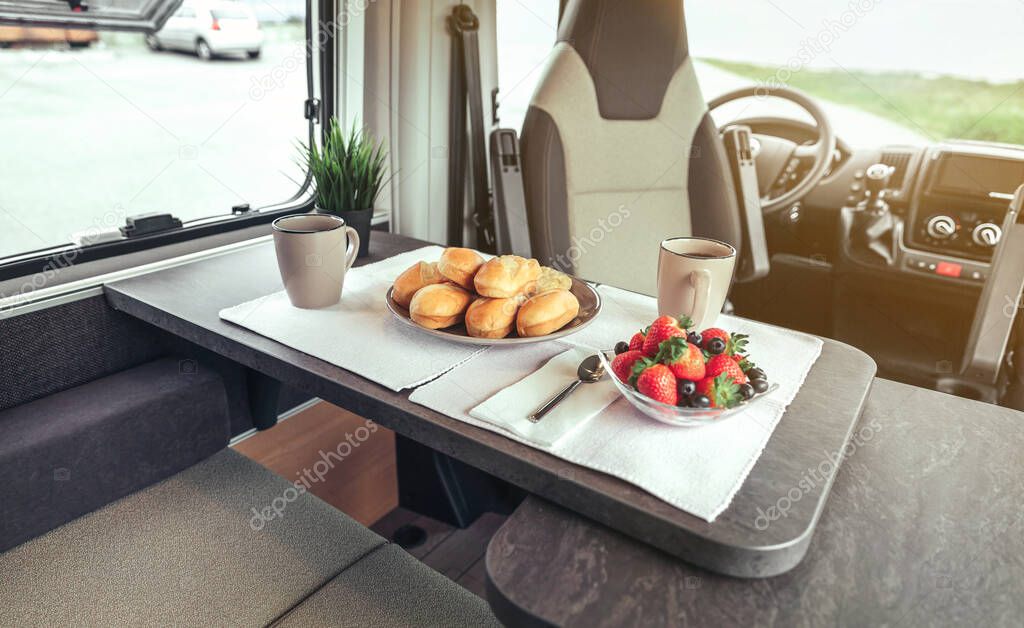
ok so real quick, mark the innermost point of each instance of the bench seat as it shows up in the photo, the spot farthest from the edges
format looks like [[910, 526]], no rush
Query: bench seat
[[192, 550]]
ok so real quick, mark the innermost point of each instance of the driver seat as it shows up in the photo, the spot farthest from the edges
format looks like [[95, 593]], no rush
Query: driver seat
[[618, 149]]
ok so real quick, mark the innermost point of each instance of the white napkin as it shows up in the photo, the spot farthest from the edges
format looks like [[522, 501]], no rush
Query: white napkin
[[359, 333], [509, 408], [696, 469]]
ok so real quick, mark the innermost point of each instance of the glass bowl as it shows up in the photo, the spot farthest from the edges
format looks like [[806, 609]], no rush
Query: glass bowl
[[674, 415]]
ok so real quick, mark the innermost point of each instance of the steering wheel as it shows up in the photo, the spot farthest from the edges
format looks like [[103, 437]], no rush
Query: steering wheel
[[774, 155]]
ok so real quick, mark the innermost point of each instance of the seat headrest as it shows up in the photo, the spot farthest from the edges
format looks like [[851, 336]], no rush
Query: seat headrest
[[631, 49]]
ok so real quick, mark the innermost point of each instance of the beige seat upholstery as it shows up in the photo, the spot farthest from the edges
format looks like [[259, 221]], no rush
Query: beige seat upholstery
[[194, 550], [618, 149]]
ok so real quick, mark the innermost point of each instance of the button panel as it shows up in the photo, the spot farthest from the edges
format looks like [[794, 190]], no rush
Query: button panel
[[954, 270]]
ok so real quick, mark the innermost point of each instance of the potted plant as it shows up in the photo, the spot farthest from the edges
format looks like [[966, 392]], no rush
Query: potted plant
[[349, 174]]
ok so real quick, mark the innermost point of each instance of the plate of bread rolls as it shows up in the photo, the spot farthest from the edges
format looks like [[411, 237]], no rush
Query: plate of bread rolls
[[503, 300]]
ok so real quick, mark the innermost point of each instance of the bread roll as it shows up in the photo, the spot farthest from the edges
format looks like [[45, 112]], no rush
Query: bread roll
[[551, 279], [492, 318], [415, 277], [439, 305], [546, 312], [507, 276], [460, 265]]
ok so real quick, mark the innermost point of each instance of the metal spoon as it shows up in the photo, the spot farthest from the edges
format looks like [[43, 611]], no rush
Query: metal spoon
[[589, 371]]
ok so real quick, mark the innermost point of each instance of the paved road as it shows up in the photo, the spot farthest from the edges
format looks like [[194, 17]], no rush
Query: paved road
[[89, 136]]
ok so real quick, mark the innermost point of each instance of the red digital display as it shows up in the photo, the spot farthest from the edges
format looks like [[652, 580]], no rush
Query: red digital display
[[948, 269]]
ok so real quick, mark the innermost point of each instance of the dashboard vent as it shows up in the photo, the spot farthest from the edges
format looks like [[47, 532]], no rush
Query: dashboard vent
[[899, 161]]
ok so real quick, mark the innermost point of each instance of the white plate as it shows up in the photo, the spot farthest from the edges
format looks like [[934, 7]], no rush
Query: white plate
[[590, 306]]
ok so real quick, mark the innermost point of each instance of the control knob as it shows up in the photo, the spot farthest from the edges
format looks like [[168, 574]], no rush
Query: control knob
[[987, 234], [941, 227]]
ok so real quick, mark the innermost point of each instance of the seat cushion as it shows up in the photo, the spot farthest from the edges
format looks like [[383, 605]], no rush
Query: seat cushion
[[200, 548], [74, 451], [390, 588]]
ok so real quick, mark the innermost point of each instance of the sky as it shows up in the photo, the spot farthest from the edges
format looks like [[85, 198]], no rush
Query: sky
[[980, 39]]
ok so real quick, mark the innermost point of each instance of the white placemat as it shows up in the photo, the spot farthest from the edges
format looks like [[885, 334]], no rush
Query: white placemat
[[358, 334], [696, 469]]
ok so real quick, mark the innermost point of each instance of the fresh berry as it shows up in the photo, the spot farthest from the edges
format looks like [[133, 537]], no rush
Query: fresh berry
[[700, 401], [756, 373], [658, 383], [684, 359], [722, 391], [622, 365], [663, 328], [694, 338], [746, 391], [714, 332], [682, 401], [686, 387], [714, 346], [621, 347], [636, 343], [725, 364], [759, 385]]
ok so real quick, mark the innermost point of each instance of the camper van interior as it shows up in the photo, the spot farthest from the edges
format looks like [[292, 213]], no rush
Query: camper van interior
[[511, 312]]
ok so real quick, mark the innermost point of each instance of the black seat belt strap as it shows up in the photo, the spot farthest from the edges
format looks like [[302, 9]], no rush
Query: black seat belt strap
[[466, 90]]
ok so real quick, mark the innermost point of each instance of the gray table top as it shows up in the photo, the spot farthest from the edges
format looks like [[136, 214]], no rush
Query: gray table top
[[924, 526], [185, 300]]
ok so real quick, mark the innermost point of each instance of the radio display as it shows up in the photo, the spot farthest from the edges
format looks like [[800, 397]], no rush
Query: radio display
[[975, 175]]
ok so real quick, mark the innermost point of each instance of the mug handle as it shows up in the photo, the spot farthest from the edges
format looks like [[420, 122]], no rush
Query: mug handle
[[700, 279], [353, 247]]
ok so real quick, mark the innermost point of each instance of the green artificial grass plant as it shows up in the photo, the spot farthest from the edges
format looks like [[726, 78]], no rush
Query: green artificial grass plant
[[348, 170]]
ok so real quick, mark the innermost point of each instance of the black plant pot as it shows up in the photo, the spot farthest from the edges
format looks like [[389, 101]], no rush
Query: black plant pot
[[360, 221]]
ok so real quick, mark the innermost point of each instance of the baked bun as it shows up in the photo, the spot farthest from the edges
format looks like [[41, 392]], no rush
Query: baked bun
[[507, 276], [546, 312], [439, 305], [460, 265], [551, 279], [415, 277], [492, 318]]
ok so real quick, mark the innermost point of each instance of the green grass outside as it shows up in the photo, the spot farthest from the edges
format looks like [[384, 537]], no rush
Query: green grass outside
[[937, 107]]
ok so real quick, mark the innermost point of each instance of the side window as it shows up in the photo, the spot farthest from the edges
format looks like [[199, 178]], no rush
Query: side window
[[526, 34], [191, 120]]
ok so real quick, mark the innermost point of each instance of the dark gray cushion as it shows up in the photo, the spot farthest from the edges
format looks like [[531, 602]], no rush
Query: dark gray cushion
[[184, 552], [74, 451], [390, 588]]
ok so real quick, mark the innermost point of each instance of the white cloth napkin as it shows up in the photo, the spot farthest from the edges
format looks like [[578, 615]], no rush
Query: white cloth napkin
[[359, 333], [509, 408], [696, 469]]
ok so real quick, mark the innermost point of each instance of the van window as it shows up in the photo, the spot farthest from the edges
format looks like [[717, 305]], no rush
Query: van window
[[229, 13], [526, 35], [189, 120]]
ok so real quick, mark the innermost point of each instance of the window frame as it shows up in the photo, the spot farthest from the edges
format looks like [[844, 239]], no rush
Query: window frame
[[64, 256], [149, 17]]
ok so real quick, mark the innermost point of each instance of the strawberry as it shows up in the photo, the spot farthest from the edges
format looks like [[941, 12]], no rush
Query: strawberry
[[734, 344], [622, 365], [658, 383], [724, 364], [636, 343], [663, 328], [685, 360], [714, 332], [721, 390]]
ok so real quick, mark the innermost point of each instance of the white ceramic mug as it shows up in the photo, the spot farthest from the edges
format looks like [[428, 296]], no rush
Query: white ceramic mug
[[694, 275], [314, 251]]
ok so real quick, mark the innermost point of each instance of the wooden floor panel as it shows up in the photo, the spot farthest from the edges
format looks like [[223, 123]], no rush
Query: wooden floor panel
[[345, 460]]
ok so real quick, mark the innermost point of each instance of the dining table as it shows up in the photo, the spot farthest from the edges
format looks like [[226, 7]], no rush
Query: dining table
[[923, 520]]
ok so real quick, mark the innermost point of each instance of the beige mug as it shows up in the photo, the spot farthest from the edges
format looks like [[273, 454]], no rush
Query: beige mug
[[694, 275], [314, 251]]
